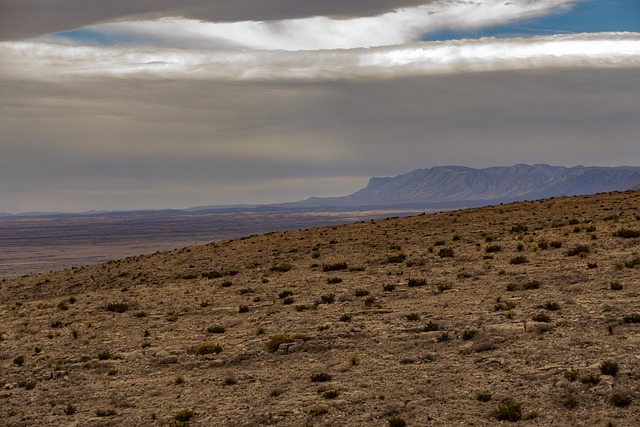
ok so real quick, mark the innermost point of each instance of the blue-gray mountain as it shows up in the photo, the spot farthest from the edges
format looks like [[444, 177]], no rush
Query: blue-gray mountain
[[460, 186]]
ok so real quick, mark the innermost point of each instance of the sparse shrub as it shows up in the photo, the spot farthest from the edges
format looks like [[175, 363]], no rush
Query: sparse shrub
[[285, 294], [212, 275], [282, 267], [532, 284], [334, 280], [287, 300], [331, 394], [184, 415], [276, 340], [56, 324], [230, 380], [493, 248], [443, 287], [520, 259], [444, 337], [439, 243], [627, 233], [117, 307], [541, 317], [395, 421], [632, 318], [591, 379], [431, 326], [335, 266], [243, 309], [389, 287], [571, 374], [592, 265], [620, 399], [397, 258], [416, 282], [570, 401], [543, 244], [556, 244], [62, 305], [226, 283], [609, 367], [216, 329], [104, 355], [179, 380], [318, 410], [580, 250], [105, 412], [369, 301], [328, 298], [18, 360], [632, 263], [469, 334], [483, 396], [445, 253], [616, 286], [208, 348], [345, 318], [70, 409], [413, 317], [361, 292], [509, 411], [551, 306], [519, 247], [320, 377], [503, 305], [246, 291], [519, 228]]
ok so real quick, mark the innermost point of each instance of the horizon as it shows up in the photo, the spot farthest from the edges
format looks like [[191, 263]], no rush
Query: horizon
[[152, 106]]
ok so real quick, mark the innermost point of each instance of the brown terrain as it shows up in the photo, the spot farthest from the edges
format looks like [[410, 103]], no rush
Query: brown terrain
[[526, 313]]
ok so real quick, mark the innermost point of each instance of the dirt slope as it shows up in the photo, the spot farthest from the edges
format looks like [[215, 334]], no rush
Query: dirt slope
[[422, 321]]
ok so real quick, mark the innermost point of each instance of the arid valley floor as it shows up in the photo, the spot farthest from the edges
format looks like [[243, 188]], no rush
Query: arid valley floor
[[525, 313]]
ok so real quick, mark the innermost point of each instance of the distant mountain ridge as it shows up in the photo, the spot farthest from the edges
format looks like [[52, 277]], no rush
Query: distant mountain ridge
[[457, 185]]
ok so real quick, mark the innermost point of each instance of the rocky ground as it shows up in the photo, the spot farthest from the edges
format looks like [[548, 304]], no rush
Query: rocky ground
[[527, 312]]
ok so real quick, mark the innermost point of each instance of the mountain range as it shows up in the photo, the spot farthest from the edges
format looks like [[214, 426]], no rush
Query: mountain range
[[458, 185]]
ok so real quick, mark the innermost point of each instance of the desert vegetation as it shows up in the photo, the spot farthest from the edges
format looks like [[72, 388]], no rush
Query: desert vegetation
[[524, 313]]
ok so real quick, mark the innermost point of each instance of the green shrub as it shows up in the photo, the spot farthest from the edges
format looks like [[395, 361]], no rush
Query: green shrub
[[335, 266], [118, 307], [520, 259], [551, 306], [571, 374], [621, 400], [609, 367], [541, 317], [208, 348], [580, 250], [416, 282], [591, 379], [627, 233], [276, 340], [483, 396], [570, 401], [184, 415], [509, 411], [445, 253], [230, 380], [70, 409], [320, 377]]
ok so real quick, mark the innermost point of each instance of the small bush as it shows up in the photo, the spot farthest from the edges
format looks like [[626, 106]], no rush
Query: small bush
[[632, 318], [570, 401], [543, 244], [431, 326], [226, 283], [104, 355], [334, 280], [397, 258], [519, 228], [413, 317], [208, 348], [445, 253], [320, 377], [616, 286], [469, 334], [632, 263], [571, 374], [276, 340], [117, 307], [230, 380], [389, 287], [504, 305], [541, 317], [483, 396], [395, 421], [621, 400], [282, 267], [243, 309], [580, 250], [212, 275], [184, 415], [532, 284], [493, 248], [591, 379], [520, 259], [285, 294], [287, 300], [345, 318], [18, 360], [216, 329], [509, 411], [331, 394], [335, 266], [627, 233], [318, 410], [70, 409], [328, 298], [416, 282], [551, 306], [609, 367], [556, 244], [105, 412], [361, 292]]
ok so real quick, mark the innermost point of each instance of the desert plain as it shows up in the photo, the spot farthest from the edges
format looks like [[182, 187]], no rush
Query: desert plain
[[525, 313]]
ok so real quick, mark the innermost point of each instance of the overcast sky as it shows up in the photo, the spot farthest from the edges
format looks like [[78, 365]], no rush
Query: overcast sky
[[175, 103]]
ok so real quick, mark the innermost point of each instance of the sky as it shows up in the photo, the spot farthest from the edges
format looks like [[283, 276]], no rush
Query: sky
[[175, 103]]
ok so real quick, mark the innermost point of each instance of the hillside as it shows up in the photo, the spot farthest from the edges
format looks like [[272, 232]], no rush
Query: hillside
[[462, 186], [420, 321]]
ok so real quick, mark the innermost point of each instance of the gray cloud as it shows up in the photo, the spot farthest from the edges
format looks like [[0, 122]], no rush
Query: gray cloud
[[21, 19]]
